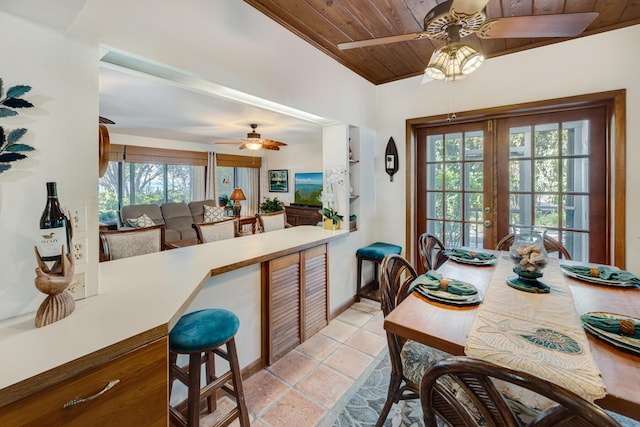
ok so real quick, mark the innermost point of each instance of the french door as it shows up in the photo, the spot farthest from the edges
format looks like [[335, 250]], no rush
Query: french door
[[475, 180]]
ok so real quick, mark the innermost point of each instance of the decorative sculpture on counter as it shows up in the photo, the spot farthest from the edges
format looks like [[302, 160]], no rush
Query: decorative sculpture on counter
[[54, 282], [391, 158]]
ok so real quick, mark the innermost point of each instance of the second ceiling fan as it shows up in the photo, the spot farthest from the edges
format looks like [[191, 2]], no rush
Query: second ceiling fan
[[253, 141]]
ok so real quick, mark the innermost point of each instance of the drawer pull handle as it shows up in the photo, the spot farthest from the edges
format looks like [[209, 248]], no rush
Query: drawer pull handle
[[74, 402]]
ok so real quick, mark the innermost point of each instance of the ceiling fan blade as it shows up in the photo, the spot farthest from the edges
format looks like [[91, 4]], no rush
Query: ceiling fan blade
[[270, 147], [383, 40], [229, 141], [273, 143], [562, 25], [468, 7]]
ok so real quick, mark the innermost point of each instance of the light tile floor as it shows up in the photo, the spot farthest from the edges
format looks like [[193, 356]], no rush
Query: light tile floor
[[301, 388]]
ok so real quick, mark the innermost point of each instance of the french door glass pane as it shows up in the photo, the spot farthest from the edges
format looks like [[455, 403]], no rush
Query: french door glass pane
[[435, 148], [434, 205], [435, 228], [520, 209], [473, 204], [474, 145], [474, 176], [475, 236], [453, 206], [547, 175], [547, 210], [453, 176], [453, 233], [575, 212], [519, 172], [575, 138], [520, 141], [575, 175], [435, 177], [546, 140], [453, 147]]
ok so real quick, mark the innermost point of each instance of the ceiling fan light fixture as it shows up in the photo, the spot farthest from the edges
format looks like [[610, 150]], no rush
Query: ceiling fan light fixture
[[253, 145], [453, 62]]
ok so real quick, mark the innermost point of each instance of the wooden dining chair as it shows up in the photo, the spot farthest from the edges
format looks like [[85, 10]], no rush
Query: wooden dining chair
[[117, 244], [550, 244], [462, 391], [217, 230], [409, 359], [431, 252]]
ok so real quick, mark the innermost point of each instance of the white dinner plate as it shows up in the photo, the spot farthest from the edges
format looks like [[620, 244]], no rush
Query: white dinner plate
[[618, 340], [599, 281], [491, 261], [449, 298]]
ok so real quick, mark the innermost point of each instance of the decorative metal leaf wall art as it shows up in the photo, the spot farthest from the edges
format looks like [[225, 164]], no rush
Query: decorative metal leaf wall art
[[11, 149]]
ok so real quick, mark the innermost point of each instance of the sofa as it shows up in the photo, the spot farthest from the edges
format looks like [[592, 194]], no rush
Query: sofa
[[178, 218]]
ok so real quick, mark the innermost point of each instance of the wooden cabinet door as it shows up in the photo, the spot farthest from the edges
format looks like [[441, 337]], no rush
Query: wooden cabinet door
[[316, 290], [139, 398], [295, 300], [281, 311]]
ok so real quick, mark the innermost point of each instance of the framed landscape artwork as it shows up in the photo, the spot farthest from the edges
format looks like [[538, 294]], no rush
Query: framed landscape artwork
[[279, 181]]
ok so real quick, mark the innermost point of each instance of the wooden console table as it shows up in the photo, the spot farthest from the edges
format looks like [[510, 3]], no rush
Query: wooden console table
[[301, 215]]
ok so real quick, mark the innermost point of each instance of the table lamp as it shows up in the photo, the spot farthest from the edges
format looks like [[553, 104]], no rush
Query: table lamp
[[236, 196]]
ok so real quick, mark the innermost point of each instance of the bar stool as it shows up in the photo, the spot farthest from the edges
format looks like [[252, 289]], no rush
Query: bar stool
[[375, 253], [201, 335]]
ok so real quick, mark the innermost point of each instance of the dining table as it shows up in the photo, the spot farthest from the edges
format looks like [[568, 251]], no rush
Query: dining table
[[446, 326]]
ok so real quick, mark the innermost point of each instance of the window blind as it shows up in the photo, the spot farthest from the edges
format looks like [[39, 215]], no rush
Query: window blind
[[235, 161], [135, 154]]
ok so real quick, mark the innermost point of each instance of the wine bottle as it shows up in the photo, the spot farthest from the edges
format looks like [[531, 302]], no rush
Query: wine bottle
[[54, 228]]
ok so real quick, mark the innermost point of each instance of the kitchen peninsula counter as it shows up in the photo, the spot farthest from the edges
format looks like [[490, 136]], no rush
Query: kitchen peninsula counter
[[140, 300]]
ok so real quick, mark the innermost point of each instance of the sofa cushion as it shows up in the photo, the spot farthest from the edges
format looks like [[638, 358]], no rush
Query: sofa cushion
[[140, 222], [197, 209], [134, 211], [213, 214], [177, 216]]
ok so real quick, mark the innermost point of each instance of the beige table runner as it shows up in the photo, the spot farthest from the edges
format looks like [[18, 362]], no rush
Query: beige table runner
[[537, 333]]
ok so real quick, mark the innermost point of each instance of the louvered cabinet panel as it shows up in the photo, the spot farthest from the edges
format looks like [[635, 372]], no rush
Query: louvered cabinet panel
[[283, 298], [316, 291], [295, 300]]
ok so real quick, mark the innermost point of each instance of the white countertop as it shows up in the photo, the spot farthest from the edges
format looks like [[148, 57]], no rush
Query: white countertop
[[136, 295]]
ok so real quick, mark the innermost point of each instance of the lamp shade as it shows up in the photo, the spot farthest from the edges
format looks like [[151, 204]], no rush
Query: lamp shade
[[237, 194], [453, 62]]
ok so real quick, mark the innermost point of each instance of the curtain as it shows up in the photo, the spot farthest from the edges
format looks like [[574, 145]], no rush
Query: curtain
[[198, 182], [248, 179], [210, 185]]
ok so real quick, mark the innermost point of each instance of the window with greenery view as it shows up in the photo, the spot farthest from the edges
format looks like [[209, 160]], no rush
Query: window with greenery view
[[142, 183]]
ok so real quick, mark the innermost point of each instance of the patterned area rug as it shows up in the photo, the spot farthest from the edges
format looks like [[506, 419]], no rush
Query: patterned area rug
[[362, 404]]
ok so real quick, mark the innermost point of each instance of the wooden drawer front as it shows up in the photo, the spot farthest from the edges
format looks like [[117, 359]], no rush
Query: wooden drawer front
[[285, 305], [316, 290], [140, 398]]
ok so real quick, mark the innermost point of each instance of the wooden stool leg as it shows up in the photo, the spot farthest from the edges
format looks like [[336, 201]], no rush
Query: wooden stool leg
[[359, 282], [193, 404], [210, 369], [237, 382]]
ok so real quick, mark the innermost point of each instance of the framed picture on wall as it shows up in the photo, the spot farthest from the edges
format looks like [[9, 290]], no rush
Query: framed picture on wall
[[279, 181]]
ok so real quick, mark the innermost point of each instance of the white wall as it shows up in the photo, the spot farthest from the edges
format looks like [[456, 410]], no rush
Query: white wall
[[585, 65], [232, 44], [63, 129]]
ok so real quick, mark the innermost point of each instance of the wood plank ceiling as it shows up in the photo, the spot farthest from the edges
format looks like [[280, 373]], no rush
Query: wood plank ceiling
[[325, 23]]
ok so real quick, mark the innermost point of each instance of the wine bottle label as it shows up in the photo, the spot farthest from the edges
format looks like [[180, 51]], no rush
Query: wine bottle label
[[50, 241]]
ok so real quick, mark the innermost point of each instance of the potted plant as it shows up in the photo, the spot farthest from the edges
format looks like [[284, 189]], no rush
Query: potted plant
[[331, 219], [270, 205]]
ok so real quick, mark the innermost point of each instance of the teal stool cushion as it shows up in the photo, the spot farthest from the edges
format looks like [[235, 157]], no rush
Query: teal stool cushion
[[378, 251], [202, 330]]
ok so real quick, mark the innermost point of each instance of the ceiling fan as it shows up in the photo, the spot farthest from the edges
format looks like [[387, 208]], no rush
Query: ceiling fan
[[454, 19], [253, 141]]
